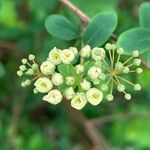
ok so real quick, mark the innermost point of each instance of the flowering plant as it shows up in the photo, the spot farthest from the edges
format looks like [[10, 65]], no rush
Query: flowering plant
[[82, 76]]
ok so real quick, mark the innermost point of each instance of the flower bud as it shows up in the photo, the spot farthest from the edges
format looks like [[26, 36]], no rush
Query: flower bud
[[120, 87], [137, 62], [85, 85], [113, 46], [86, 51], [102, 76], [22, 67], [24, 61], [126, 70], [139, 70], [110, 97], [35, 91], [70, 80], [30, 72], [98, 54], [74, 49], [137, 87], [57, 79], [54, 97], [120, 51], [69, 93], [135, 53], [108, 46], [79, 68], [104, 87], [27, 82], [96, 81], [31, 57], [23, 84], [47, 68], [35, 66], [119, 66], [54, 56], [79, 101], [19, 73], [127, 96]]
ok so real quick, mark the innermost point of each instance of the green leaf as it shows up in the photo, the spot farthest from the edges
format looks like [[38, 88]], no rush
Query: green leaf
[[100, 28], [135, 39], [144, 15], [146, 57], [61, 27], [88, 65], [66, 70], [2, 70]]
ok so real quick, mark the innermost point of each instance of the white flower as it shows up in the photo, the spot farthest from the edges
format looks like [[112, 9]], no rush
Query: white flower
[[79, 68], [67, 56], [79, 101], [85, 85], [70, 80], [47, 68], [94, 72], [86, 51], [98, 54], [54, 56], [43, 84], [69, 93], [53, 97], [74, 49], [94, 96], [57, 79]]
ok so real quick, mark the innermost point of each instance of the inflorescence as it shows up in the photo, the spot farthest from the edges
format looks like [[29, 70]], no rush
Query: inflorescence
[[82, 76]]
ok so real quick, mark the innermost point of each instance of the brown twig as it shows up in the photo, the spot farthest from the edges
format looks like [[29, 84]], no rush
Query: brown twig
[[110, 118]]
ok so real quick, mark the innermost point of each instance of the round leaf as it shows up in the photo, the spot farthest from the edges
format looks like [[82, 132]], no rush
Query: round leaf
[[60, 27], [135, 39], [144, 14], [100, 28]]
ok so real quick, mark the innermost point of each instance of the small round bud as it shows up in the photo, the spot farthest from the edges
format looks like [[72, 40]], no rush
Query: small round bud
[[127, 96], [135, 53], [35, 66], [137, 62], [126, 70], [27, 82], [86, 51], [104, 87], [30, 72], [23, 84], [108, 46], [69, 93], [119, 66], [74, 49], [139, 70], [137, 87], [35, 91], [120, 51], [19, 73], [96, 81], [120, 87], [110, 97], [22, 67], [79, 69], [24, 61], [70, 80], [98, 54], [31, 57], [57, 79], [113, 46], [102, 76], [85, 85]]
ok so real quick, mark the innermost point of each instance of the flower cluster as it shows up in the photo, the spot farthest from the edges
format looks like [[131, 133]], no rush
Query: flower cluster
[[82, 77]]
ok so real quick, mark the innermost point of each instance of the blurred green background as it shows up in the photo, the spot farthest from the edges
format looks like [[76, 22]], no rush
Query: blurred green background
[[27, 122]]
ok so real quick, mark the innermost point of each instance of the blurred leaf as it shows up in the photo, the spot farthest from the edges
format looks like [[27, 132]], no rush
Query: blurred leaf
[[100, 28], [135, 39], [61, 27], [144, 15], [2, 70], [66, 70]]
